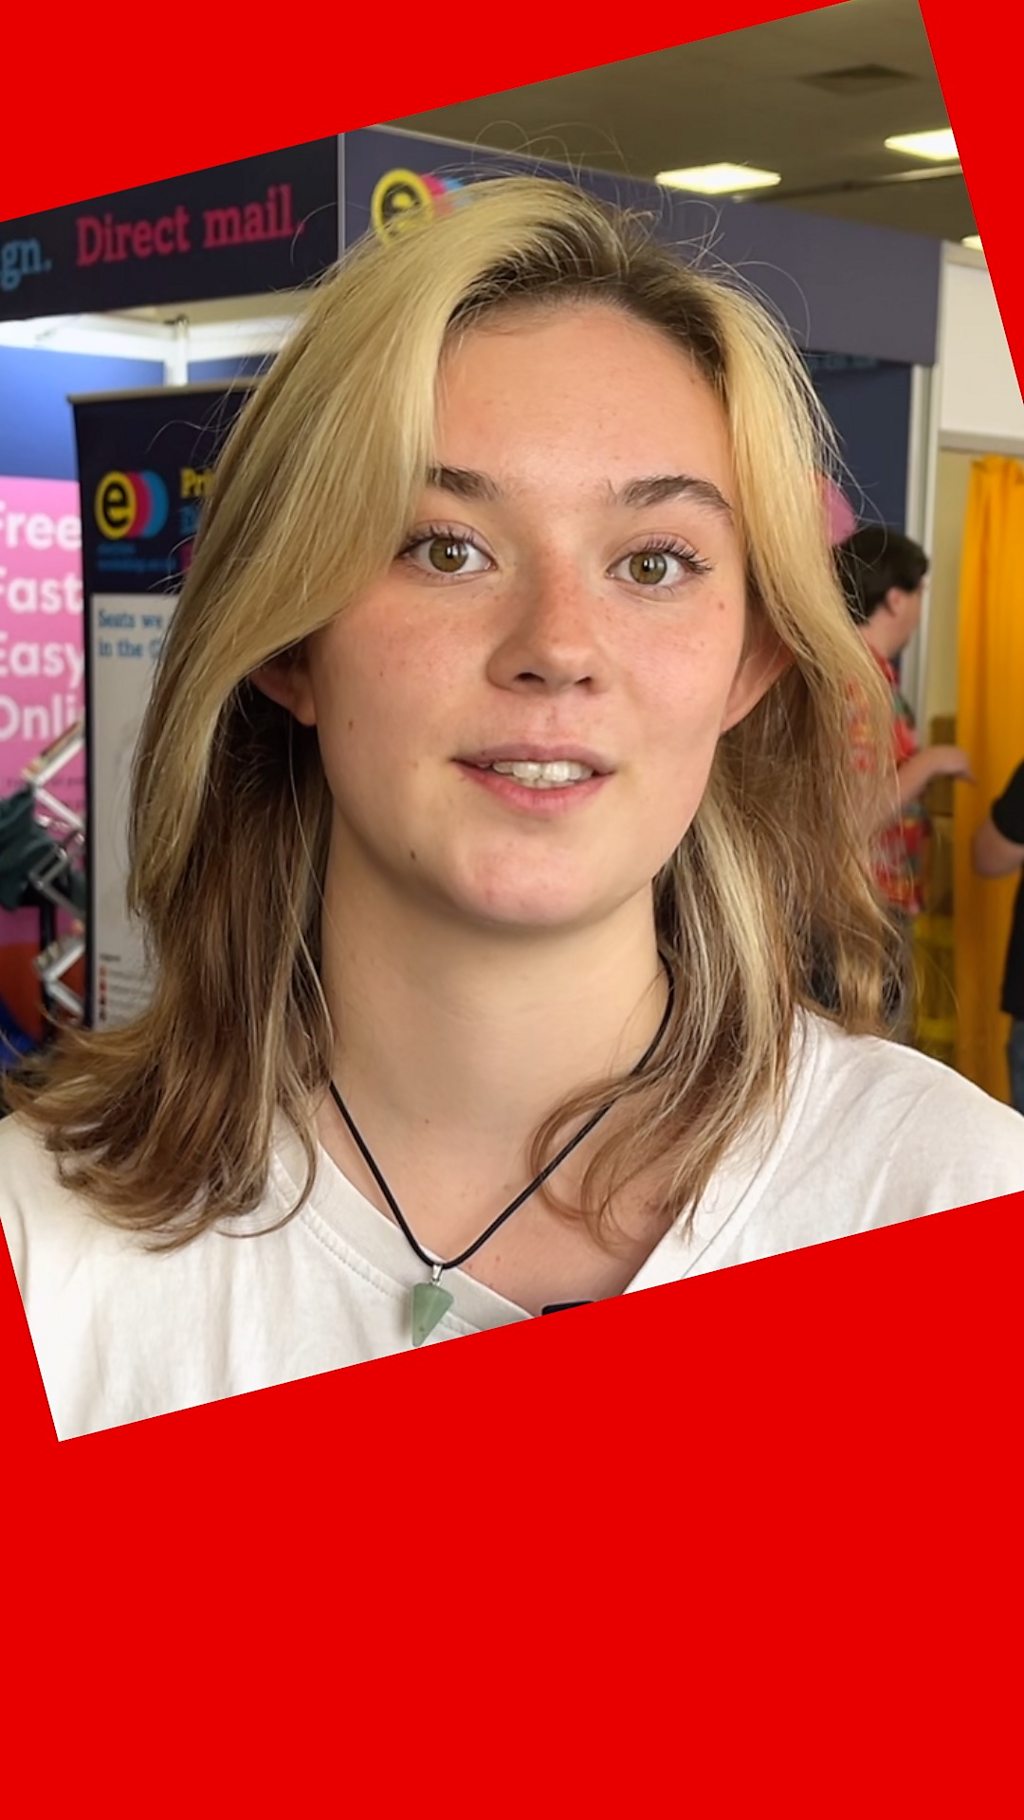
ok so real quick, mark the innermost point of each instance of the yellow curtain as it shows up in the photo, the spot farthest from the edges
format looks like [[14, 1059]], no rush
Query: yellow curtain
[[990, 727]]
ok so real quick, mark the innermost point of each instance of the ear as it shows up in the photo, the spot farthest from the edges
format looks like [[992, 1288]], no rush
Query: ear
[[765, 659], [287, 681]]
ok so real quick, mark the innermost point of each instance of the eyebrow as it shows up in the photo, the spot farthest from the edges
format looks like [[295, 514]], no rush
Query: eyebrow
[[654, 489], [463, 482], [651, 490]]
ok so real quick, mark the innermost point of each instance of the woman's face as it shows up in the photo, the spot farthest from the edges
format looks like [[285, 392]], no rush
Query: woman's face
[[518, 720]]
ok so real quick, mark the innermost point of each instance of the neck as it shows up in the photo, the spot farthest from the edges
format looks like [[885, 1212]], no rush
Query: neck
[[469, 1036], [875, 635]]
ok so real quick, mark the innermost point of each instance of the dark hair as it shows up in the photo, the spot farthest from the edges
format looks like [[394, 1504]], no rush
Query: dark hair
[[875, 559]]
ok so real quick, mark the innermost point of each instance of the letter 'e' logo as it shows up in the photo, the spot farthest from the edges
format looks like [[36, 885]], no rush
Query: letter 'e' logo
[[404, 199], [131, 505]]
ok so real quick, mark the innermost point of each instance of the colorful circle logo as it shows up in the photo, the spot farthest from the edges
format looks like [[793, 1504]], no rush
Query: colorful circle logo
[[131, 505], [405, 199]]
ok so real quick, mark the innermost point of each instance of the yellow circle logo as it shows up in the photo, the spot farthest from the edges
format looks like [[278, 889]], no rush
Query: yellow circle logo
[[117, 505], [401, 200]]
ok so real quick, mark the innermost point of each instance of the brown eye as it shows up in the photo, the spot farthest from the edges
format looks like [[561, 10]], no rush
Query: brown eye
[[659, 568], [440, 554], [447, 554], [649, 567]]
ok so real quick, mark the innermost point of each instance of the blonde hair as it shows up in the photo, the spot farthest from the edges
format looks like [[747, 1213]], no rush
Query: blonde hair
[[166, 1123]]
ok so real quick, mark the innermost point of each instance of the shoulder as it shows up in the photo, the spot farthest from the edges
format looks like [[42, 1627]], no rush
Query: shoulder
[[870, 1134], [888, 1112], [1007, 812], [52, 1232], [1016, 783], [26, 1166], [37, 1213]]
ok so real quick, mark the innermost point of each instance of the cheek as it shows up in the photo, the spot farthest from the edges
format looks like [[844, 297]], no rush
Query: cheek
[[380, 692], [687, 681], [347, 681], [379, 653]]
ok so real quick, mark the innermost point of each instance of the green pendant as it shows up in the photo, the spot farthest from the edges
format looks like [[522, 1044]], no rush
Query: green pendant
[[430, 1303]]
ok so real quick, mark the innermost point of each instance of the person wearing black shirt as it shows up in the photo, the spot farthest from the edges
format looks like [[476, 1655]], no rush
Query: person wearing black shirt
[[998, 849]]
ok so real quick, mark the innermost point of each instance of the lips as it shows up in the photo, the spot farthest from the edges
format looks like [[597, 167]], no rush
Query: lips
[[518, 752], [539, 782]]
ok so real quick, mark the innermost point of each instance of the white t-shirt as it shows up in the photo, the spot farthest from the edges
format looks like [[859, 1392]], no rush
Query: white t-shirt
[[873, 1134]]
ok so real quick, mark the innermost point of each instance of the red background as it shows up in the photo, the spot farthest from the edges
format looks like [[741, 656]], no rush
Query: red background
[[742, 1545]]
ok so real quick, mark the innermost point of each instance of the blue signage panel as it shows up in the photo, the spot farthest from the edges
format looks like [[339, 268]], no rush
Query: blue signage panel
[[841, 286]]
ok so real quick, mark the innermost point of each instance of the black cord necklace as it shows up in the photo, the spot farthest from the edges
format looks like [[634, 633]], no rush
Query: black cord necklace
[[430, 1302]]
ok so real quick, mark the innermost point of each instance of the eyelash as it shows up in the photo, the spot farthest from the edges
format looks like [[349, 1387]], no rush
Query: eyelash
[[669, 546], [428, 534], [651, 546]]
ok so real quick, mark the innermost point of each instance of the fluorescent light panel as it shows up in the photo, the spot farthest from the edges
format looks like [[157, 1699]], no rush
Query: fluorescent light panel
[[973, 241], [940, 145], [120, 336], [719, 179]]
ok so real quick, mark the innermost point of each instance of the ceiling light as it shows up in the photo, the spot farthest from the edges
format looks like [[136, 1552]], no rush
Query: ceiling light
[[973, 241], [719, 179], [939, 145]]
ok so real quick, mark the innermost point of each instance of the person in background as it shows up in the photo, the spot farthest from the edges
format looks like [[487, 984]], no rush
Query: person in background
[[883, 575], [998, 849]]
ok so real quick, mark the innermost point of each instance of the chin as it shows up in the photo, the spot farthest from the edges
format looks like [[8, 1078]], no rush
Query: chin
[[530, 919], [535, 903]]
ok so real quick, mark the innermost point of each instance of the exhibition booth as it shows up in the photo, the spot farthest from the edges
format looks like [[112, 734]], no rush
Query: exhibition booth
[[132, 329]]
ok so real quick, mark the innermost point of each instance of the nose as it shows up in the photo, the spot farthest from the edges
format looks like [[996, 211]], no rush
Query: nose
[[550, 639]]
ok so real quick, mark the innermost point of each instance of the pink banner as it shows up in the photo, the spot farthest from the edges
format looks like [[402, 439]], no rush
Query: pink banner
[[41, 640], [842, 519]]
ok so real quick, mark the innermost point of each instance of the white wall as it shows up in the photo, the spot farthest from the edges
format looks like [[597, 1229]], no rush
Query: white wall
[[973, 406], [978, 391]]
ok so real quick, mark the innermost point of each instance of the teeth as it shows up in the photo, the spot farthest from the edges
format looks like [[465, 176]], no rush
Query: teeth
[[551, 776]]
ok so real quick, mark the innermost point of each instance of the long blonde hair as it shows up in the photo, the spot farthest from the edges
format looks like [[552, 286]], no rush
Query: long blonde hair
[[166, 1123]]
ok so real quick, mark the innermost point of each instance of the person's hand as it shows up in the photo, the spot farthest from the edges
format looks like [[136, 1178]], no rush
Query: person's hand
[[950, 761]]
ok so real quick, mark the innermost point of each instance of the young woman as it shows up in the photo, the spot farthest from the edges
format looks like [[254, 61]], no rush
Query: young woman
[[491, 807]]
